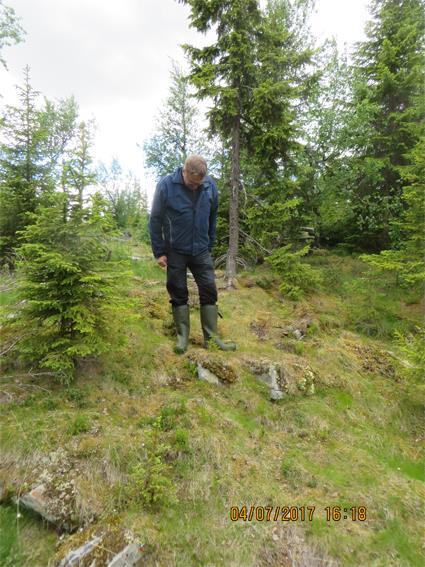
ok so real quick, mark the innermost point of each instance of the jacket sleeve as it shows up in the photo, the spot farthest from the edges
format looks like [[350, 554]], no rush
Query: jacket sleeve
[[213, 218], [156, 221]]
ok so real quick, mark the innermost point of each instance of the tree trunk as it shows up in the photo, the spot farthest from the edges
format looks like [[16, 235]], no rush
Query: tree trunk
[[232, 253]]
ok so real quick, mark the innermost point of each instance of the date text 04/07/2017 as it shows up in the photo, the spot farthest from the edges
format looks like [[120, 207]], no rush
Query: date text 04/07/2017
[[295, 513]]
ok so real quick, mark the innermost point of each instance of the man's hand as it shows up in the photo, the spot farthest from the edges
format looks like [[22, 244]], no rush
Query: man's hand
[[162, 261]]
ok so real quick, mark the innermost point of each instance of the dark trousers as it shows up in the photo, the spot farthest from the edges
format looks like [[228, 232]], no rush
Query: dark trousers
[[202, 268]]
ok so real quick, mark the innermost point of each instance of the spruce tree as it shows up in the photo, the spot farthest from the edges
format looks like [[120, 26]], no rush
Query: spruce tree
[[225, 72], [78, 170], [407, 261], [21, 166], [68, 284], [388, 115], [35, 139], [178, 130], [278, 198], [256, 74]]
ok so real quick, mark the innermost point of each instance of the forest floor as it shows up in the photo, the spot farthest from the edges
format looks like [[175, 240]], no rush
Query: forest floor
[[151, 449]]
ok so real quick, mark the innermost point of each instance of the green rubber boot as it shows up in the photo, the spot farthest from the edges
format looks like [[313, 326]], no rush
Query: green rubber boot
[[209, 328], [182, 322]]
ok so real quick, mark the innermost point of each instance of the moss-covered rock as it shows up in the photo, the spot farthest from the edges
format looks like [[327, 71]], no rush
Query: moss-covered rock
[[214, 364], [287, 377], [101, 544]]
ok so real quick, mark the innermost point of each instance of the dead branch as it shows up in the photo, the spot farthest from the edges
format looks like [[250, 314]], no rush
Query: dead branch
[[11, 346]]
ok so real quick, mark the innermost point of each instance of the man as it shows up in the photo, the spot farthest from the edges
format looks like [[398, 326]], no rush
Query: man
[[182, 227]]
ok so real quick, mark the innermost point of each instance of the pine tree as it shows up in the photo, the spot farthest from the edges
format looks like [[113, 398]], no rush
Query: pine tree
[[388, 115]]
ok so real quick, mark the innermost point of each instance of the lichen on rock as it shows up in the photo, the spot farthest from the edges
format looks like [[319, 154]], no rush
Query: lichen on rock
[[107, 544], [283, 377], [53, 494], [211, 362]]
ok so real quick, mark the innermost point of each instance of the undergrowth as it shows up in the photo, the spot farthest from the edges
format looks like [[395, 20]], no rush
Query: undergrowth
[[169, 455]]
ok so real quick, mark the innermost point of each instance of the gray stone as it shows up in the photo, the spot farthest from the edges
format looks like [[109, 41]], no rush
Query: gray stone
[[276, 395], [270, 374], [213, 368], [130, 556], [207, 375], [75, 557], [36, 501], [293, 378]]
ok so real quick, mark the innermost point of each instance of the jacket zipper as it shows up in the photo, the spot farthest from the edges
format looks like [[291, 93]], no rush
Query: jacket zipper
[[171, 230], [195, 209]]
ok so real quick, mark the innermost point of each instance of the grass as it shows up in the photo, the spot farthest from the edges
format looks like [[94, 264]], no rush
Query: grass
[[138, 424], [23, 539]]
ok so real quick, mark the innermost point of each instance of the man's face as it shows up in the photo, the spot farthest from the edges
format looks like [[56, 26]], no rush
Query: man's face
[[192, 181]]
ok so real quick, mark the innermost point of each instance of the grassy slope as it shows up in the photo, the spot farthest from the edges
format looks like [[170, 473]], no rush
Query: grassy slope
[[356, 442]]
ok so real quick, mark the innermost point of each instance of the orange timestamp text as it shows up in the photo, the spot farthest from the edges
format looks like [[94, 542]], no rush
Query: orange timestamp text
[[296, 513]]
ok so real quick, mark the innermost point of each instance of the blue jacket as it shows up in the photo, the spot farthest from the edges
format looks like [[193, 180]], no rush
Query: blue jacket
[[180, 223]]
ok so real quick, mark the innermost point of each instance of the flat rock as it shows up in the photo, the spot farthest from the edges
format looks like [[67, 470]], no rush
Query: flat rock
[[108, 546], [282, 378], [130, 556], [76, 556], [207, 375], [37, 501], [297, 329], [212, 368], [53, 491]]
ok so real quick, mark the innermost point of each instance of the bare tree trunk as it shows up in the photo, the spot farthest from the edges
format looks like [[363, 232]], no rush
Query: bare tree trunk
[[232, 253]]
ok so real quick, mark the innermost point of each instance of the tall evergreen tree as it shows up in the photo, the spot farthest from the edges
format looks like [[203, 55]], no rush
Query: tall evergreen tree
[[256, 74], [178, 131], [225, 71], [35, 138], [78, 171], [388, 115], [22, 168], [59, 122], [408, 260], [275, 141]]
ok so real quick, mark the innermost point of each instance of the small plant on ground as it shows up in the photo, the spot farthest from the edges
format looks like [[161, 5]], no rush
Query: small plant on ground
[[412, 345], [298, 277], [149, 479], [81, 424]]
